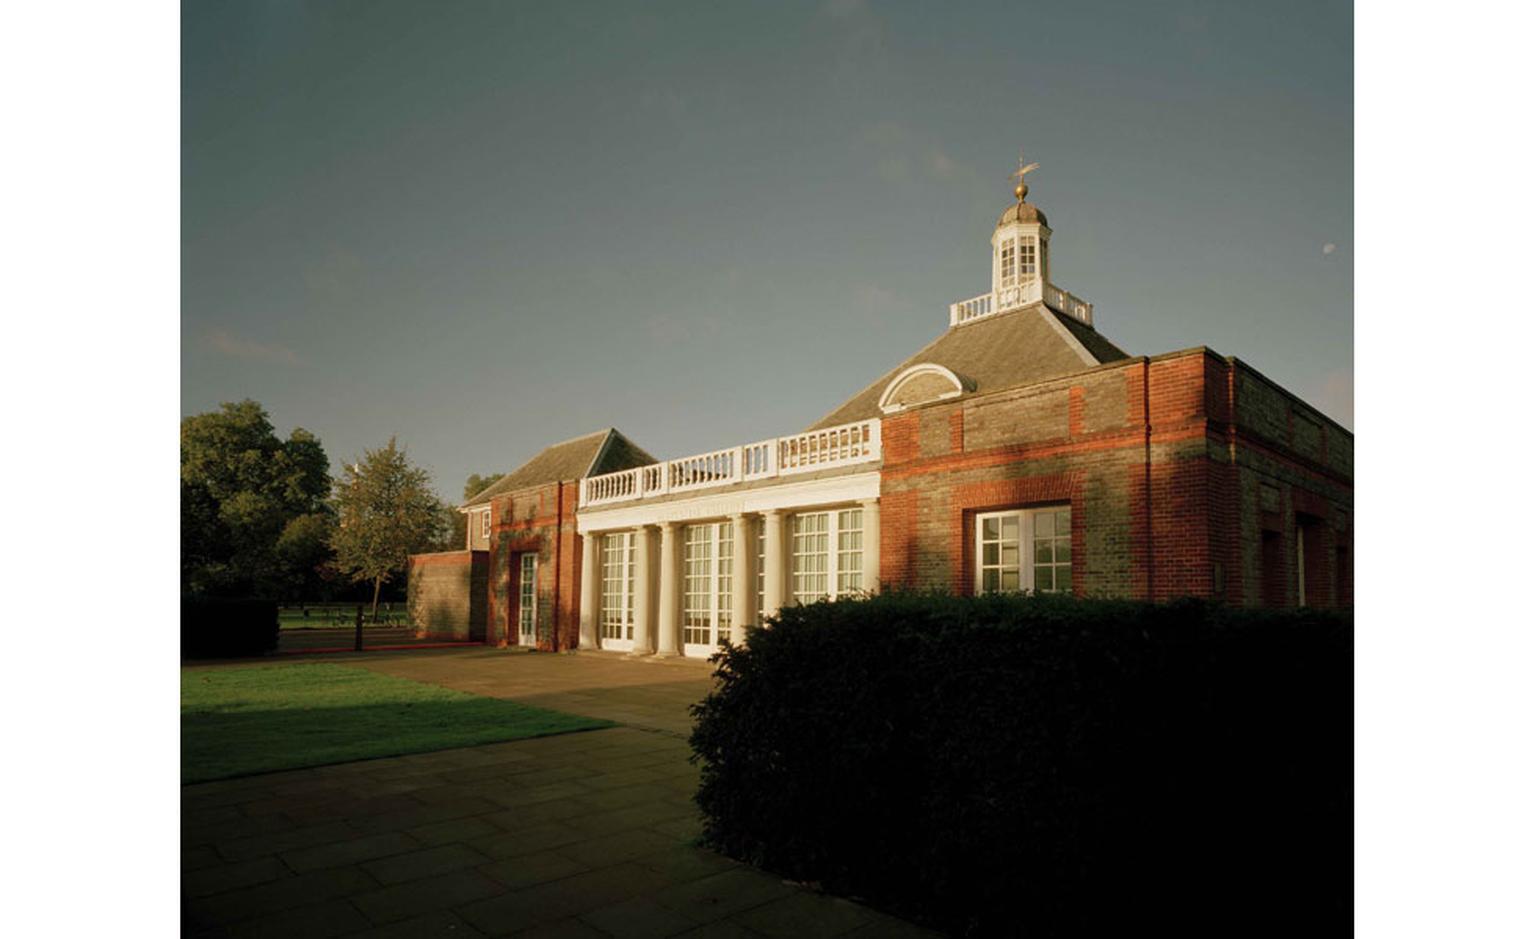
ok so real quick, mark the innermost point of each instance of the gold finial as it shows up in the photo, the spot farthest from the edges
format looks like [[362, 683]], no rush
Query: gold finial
[[1021, 190]]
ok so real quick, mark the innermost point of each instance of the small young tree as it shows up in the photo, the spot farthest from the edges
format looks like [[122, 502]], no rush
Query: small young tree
[[385, 510]]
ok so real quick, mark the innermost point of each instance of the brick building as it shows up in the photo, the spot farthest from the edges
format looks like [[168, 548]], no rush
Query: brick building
[[1020, 450]]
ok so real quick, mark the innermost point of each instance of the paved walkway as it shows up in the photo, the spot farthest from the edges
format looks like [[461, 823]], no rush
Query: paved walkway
[[586, 834]]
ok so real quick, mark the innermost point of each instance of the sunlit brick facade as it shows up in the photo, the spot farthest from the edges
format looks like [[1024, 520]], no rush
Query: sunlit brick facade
[[1021, 450]]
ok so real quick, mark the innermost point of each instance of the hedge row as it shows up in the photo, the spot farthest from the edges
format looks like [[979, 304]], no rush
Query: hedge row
[[214, 627], [1001, 766]]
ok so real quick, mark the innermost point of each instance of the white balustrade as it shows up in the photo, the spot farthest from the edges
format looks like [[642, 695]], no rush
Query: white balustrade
[[1067, 303], [835, 446], [830, 448], [967, 310], [697, 472], [1013, 297]]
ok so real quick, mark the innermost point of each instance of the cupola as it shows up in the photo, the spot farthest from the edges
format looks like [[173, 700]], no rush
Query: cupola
[[1019, 247], [1021, 264]]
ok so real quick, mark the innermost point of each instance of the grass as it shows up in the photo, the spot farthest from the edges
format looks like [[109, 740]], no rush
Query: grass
[[262, 718], [326, 618]]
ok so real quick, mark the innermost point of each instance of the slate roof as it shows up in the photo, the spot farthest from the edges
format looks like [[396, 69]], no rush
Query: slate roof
[[1005, 350], [604, 451]]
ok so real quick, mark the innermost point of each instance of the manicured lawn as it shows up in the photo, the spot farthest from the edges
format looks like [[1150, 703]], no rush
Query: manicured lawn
[[261, 718], [340, 617]]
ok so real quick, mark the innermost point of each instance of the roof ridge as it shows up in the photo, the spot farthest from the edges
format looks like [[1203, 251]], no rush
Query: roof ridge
[[479, 497], [884, 377], [1027, 343], [561, 443], [597, 458]]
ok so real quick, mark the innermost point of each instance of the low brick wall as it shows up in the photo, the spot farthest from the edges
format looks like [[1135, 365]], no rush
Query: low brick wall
[[446, 595]]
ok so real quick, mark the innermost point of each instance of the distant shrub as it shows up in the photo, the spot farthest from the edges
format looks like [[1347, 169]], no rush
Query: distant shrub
[[214, 627], [1000, 766]]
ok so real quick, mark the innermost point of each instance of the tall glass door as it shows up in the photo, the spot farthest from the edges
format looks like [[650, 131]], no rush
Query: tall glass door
[[527, 599]]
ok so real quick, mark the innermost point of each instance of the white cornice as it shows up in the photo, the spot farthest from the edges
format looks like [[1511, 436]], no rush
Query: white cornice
[[806, 494]]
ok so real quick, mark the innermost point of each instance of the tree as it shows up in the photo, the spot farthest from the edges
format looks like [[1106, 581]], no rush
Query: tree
[[304, 549], [241, 487], [386, 510], [475, 484]]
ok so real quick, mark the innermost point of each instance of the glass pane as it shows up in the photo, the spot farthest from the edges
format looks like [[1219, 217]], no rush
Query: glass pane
[[1045, 525], [989, 528], [989, 555], [1010, 555], [1063, 551], [989, 580], [1064, 522], [1010, 579], [1011, 527], [1044, 582], [1042, 552]]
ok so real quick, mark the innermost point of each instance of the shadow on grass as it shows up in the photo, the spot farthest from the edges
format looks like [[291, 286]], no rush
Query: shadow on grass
[[236, 722]]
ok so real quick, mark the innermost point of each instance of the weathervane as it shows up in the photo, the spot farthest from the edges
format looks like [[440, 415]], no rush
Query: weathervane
[[1021, 190]]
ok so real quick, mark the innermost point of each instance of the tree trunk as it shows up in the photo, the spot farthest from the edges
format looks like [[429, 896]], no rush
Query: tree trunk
[[377, 583], [357, 635]]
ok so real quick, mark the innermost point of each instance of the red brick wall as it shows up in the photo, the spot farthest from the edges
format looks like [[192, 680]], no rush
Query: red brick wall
[[541, 520], [1160, 460], [445, 594]]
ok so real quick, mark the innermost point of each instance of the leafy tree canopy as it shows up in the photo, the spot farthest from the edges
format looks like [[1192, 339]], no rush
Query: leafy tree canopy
[[476, 483], [241, 487], [386, 510]]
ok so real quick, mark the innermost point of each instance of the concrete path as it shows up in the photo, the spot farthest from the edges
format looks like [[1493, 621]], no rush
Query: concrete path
[[586, 834]]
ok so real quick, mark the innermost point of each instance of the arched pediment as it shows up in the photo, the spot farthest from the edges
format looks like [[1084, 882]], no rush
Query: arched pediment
[[921, 384]]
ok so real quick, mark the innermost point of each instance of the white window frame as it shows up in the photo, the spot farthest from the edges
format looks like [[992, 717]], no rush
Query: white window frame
[[838, 562], [527, 598], [716, 572], [761, 551], [622, 545], [1027, 519], [485, 525]]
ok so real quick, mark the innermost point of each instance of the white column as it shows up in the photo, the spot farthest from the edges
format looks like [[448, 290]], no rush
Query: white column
[[773, 561], [668, 614], [743, 576], [588, 598], [871, 509], [645, 563]]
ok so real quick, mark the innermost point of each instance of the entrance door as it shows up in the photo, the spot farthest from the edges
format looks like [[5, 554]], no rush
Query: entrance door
[[527, 598], [707, 564], [617, 578]]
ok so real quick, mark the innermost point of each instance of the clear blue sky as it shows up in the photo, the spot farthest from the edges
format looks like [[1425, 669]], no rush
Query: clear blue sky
[[485, 227]]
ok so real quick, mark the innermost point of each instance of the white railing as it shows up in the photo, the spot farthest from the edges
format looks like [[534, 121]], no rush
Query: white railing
[[1067, 303], [967, 310], [845, 445], [1011, 298]]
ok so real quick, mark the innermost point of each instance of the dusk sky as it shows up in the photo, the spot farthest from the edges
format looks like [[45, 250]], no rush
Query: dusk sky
[[488, 227]]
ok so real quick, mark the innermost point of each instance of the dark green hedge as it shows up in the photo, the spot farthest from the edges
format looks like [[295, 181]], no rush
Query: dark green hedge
[[1002, 766], [214, 627]]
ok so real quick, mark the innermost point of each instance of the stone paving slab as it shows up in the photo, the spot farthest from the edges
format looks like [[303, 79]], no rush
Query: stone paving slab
[[583, 834]]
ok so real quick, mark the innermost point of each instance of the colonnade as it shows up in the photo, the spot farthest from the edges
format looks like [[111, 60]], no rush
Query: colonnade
[[658, 621]]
